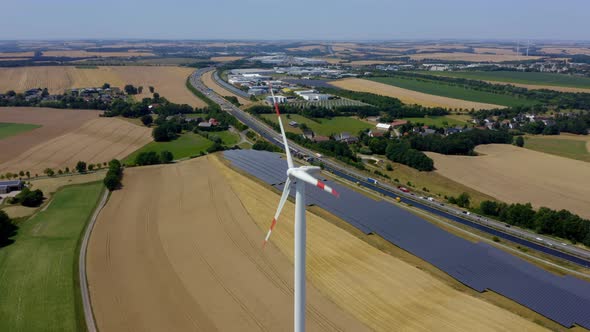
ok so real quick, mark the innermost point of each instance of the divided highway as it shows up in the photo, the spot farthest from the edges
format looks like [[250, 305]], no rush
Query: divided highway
[[524, 238]]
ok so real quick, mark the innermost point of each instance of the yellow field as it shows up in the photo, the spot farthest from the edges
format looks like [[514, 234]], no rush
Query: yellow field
[[168, 81], [472, 57], [226, 58], [96, 141], [494, 50], [84, 54], [408, 96], [15, 54], [307, 48], [372, 62], [207, 79], [380, 290], [513, 174], [548, 87], [566, 50]]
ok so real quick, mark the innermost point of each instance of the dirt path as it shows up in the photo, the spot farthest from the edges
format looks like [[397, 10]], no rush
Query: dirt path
[[174, 250]]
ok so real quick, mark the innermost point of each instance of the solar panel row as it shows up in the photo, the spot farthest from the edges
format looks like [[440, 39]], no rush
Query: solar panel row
[[564, 299]]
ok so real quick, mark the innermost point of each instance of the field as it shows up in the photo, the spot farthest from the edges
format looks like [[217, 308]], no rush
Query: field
[[569, 146], [175, 250], [459, 56], [409, 96], [324, 127], [11, 129], [531, 80], [208, 80], [331, 103], [188, 144], [49, 186], [513, 174], [84, 54], [451, 91], [379, 289], [439, 121], [227, 137], [63, 141], [226, 58], [38, 287], [168, 81]]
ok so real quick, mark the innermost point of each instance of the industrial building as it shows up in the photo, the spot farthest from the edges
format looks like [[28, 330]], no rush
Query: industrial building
[[8, 186]]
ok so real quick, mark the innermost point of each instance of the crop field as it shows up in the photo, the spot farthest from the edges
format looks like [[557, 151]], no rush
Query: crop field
[[11, 129], [209, 82], [569, 146], [513, 174], [380, 290], [324, 127], [188, 144], [452, 91], [526, 79], [39, 287], [331, 103], [93, 141], [474, 57], [408, 96], [194, 260], [226, 58], [439, 121], [85, 54], [168, 81]]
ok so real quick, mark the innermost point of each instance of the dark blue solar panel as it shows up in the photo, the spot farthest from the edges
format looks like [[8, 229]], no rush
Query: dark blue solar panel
[[564, 299]]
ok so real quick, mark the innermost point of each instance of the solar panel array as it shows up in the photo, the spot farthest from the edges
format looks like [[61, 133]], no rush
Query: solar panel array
[[564, 299]]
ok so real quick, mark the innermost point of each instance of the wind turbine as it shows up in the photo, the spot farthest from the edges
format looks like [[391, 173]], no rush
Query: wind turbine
[[300, 175]]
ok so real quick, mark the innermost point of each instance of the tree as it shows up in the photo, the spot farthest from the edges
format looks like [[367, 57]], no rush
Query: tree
[[156, 97], [166, 157], [130, 89], [28, 174], [139, 89], [151, 89], [49, 172], [106, 86], [160, 134], [81, 167], [147, 158], [7, 228], [389, 167], [147, 120], [21, 173], [44, 93], [519, 141], [111, 181], [91, 167], [29, 198]]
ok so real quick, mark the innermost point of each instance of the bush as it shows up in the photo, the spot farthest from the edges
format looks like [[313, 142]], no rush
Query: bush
[[519, 141], [29, 198], [147, 120], [81, 167], [404, 154], [147, 158], [166, 157]]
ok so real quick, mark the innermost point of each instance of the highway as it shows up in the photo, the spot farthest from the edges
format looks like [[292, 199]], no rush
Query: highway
[[496, 228]]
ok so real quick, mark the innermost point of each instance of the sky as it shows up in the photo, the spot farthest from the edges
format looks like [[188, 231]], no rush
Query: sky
[[297, 20]]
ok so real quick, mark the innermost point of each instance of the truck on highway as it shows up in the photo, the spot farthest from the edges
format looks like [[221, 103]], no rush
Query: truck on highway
[[371, 180]]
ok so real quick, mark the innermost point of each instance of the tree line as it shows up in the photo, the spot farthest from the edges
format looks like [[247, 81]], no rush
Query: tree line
[[460, 143], [563, 223], [114, 175]]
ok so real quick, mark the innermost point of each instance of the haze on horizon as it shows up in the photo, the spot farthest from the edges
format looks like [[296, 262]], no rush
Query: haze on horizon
[[300, 20]]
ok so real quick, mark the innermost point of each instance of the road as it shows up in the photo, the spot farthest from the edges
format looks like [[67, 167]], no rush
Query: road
[[88, 315], [496, 228]]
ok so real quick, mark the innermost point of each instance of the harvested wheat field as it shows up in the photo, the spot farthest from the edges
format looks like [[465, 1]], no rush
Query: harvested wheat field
[[547, 87], [84, 54], [382, 291], [459, 56], [513, 174], [175, 250], [208, 80], [225, 58], [408, 96], [95, 141], [168, 81], [53, 122]]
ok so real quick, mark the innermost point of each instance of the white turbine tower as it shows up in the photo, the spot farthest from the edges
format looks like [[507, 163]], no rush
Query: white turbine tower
[[301, 175]]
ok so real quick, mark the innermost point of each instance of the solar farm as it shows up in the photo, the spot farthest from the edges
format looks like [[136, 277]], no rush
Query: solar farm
[[331, 103], [563, 299]]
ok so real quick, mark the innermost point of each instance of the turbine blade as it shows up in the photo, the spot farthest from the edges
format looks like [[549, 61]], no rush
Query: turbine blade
[[276, 105], [284, 197], [306, 177]]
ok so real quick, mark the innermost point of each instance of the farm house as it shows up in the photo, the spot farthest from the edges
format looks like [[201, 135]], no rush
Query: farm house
[[8, 186]]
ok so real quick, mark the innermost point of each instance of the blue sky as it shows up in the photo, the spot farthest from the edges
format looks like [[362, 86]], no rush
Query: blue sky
[[301, 19]]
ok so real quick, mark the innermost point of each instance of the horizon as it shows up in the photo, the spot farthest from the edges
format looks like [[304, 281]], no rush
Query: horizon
[[265, 20]]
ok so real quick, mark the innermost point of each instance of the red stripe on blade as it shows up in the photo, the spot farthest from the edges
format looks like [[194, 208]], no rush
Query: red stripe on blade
[[277, 109], [272, 225], [320, 185]]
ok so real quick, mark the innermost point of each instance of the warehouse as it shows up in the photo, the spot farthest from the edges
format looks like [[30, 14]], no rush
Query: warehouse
[[8, 186]]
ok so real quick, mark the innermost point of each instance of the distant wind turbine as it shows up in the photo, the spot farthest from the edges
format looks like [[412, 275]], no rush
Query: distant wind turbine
[[302, 175]]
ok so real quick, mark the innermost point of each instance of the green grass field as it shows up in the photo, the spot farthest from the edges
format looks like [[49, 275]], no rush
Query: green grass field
[[569, 148], [228, 138], [520, 77], [11, 129], [439, 121], [324, 127], [451, 91], [38, 272], [188, 144]]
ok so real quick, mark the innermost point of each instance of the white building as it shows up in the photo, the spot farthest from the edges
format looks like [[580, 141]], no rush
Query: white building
[[280, 99], [383, 126], [315, 96]]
